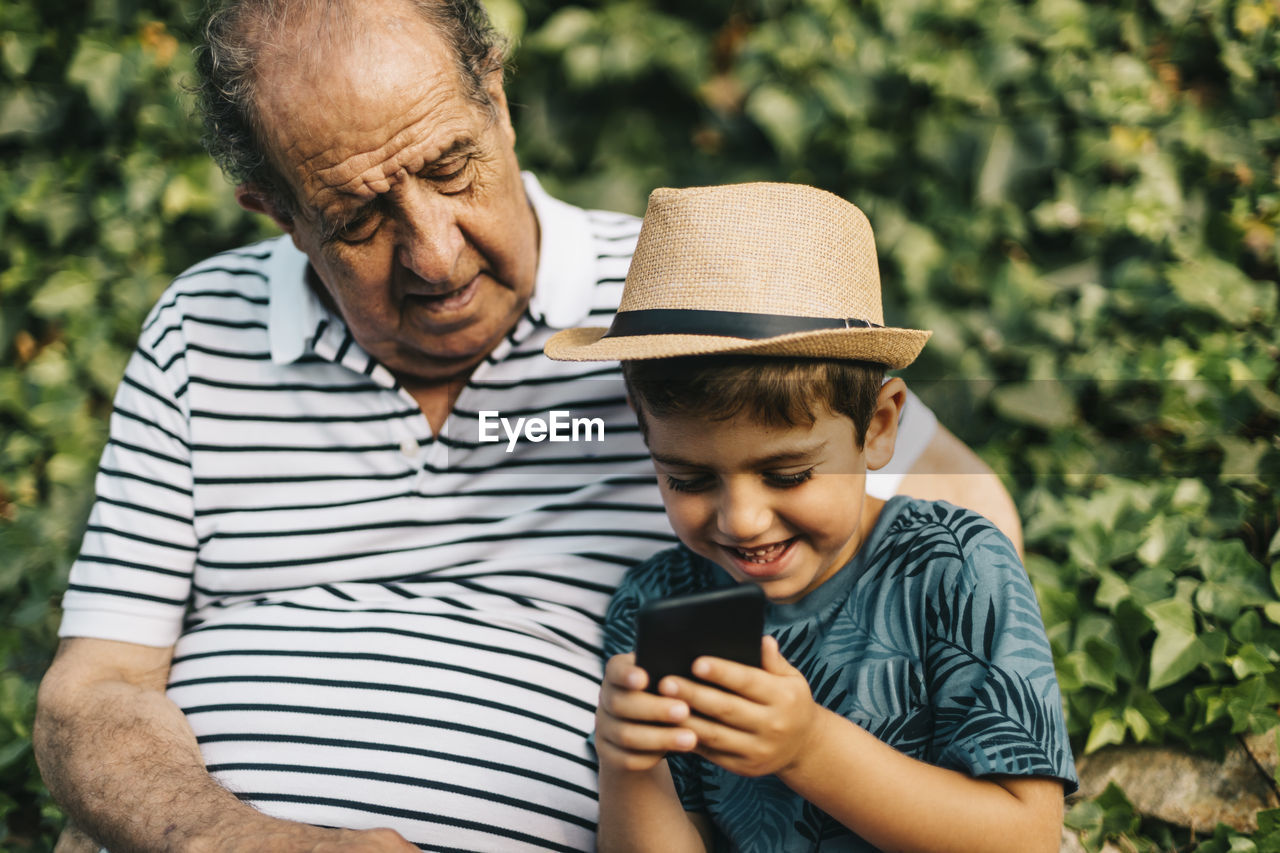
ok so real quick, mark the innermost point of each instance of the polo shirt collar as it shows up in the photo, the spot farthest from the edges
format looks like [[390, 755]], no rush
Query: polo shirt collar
[[562, 287], [566, 276], [295, 311]]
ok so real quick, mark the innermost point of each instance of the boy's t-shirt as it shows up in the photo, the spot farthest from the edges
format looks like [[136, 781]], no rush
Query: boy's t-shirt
[[930, 638]]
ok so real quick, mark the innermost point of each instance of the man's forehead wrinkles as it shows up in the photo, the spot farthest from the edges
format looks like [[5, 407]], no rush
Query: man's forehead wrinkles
[[366, 174]]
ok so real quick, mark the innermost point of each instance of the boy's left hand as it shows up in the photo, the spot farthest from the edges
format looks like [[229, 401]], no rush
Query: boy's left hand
[[753, 721]]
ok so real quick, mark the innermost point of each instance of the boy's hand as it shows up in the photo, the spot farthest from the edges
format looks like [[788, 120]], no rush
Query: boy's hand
[[635, 729], [754, 721]]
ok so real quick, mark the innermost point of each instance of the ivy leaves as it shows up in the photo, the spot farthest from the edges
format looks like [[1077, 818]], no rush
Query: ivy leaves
[[1080, 199], [1160, 633]]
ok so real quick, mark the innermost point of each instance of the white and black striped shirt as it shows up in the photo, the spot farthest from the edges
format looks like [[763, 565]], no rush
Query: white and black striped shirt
[[374, 626]]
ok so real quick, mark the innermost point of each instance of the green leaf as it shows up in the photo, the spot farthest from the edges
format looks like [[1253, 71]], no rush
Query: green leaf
[[28, 111], [1177, 650], [1138, 724], [1249, 661], [1108, 815], [18, 51], [1044, 404], [1105, 729], [101, 70], [1165, 542], [1251, 706], [1221, 288], [1233, 580], [1098, 665], [508, 17], [1241, 457], [1248, 628], [14, 750], [1150, 708], [1173, 656], [781, 116], [65, 292]]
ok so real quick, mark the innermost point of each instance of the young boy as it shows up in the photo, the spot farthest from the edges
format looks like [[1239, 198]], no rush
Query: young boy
[[907, 698]]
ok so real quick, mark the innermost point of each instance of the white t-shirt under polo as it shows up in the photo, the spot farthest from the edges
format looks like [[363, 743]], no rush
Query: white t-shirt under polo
[[375, 626]]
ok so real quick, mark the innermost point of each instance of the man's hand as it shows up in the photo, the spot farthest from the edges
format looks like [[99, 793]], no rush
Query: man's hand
[[282, 836], [635, 729], [753, 722], [278, 836]]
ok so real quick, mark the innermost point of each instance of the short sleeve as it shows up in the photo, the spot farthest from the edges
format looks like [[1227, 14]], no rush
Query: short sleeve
[[996, 704], [132, 578], [620, 619]]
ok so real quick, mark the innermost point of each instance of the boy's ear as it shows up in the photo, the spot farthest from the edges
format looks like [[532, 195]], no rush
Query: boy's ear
[[254, 200], [882, 431]]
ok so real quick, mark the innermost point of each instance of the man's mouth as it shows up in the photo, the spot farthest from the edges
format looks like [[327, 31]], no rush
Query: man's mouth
[[452, 300]]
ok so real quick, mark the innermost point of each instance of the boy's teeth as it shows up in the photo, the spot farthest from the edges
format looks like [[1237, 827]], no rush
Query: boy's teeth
[[762, 554]]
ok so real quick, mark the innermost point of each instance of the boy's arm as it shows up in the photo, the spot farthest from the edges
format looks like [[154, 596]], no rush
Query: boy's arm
[[765, 721], [639, 810], [639, 806], [899, 803]]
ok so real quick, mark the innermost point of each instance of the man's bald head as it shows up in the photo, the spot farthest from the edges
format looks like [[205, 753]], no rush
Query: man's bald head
[[244, 39]]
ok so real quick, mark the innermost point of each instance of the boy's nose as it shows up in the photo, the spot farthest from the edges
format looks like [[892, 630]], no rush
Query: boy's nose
[[742, 516]]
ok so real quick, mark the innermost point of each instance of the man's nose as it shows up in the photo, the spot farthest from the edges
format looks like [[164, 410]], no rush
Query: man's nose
[[743, 513], [431, 242]]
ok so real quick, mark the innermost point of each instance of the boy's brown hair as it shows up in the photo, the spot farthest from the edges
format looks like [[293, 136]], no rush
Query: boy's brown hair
[[778, 392]]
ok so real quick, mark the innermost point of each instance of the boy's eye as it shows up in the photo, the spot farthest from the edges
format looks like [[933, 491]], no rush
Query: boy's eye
[[687, 484], [788, 480]]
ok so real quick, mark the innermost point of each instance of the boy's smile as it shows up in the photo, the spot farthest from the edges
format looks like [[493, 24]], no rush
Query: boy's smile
[[781, 507]]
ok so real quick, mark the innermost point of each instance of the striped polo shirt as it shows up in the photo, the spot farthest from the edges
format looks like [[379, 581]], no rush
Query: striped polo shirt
[[374, 625]]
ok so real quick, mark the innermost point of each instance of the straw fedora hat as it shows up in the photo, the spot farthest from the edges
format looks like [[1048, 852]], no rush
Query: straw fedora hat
[[760, 269]]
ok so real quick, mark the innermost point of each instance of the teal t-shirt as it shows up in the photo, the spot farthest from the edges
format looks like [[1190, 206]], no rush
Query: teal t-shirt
[[930, 638]]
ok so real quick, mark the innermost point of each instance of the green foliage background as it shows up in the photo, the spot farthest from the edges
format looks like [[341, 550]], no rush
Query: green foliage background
[[1080, 198]]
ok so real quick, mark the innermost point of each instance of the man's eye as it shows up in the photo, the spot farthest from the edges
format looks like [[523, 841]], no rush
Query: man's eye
[[452, 178], [786, 481], [359, 230]]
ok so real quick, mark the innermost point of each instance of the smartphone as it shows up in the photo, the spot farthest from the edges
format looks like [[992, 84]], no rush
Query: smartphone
[[725, 623]]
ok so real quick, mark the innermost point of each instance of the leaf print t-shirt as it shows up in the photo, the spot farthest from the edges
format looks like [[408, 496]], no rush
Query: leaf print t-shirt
[[930, 638]]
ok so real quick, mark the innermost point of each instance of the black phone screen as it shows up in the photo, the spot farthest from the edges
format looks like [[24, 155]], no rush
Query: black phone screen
[[724, 623]]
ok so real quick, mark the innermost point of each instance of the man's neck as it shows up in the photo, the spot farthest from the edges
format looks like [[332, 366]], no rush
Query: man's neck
[[436, 399]]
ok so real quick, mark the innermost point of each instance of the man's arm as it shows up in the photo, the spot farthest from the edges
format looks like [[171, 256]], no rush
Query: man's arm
[[948, 470], [119, 757]]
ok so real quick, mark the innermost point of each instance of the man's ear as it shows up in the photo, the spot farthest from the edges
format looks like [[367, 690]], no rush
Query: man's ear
[[256, 201], [882, 431]]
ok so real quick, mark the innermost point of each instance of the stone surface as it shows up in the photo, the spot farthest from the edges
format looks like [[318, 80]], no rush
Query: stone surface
[[1188, 790], [1263, 749]]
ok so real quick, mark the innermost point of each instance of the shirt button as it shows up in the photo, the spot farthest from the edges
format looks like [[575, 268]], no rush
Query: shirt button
[[409, 448]]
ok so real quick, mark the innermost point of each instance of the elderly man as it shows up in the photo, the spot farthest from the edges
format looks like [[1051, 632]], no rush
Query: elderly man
[[320, 588]]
